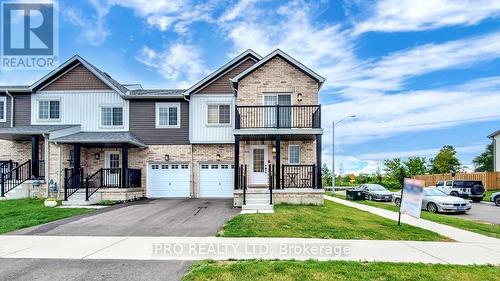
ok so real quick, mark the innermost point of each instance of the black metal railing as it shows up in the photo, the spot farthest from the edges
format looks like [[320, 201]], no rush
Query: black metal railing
[[73, 180], [93, 183], [242, 181], [278, 117], [111, 177], [14, 177], [6, 167], [135, 177], [272, 181], [298, 176]]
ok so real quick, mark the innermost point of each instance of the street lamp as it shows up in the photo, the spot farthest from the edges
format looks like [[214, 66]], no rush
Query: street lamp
[[333, 148]]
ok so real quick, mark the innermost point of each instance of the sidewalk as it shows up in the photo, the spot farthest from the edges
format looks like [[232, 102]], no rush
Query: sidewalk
[[200, 248], [454, 233]]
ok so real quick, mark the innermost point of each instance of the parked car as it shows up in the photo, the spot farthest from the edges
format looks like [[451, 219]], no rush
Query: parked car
[[376, 192], [469, 189], [436, 201], [495, 198]]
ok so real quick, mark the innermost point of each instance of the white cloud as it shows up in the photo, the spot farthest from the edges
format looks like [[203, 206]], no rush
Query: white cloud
[[416, 15], [93, 28], [180, 64], [237, 10]]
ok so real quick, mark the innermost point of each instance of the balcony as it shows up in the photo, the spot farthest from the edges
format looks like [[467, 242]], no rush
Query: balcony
[[279, 118]]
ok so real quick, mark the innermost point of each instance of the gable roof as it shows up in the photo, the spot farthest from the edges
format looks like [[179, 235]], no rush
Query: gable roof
[[222, 69], [76, 59], [492, 135], [287, 58]]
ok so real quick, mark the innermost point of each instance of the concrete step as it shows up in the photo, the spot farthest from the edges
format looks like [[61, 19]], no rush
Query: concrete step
[[257, 195], [19, 192], [257, 208], [78, 199], [258, 201]]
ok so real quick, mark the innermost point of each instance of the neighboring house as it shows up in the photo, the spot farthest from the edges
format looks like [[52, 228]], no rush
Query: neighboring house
[[253, 123], [495, 138]]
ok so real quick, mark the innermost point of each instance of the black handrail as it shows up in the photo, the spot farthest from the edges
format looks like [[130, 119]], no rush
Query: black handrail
[[272, 181], [242, 181], [73, 180], [298, 176], [13, 178], [93, 183], [278, 116]]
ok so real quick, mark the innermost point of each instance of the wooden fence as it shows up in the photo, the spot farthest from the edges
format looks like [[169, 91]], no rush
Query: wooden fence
[[491, 180]]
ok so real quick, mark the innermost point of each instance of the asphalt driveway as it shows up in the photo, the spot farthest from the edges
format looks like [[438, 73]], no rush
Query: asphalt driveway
[[148, 217]]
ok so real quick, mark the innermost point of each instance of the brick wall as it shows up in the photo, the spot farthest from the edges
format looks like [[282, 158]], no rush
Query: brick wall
[[307, 151], [19, 151], [277, 76]]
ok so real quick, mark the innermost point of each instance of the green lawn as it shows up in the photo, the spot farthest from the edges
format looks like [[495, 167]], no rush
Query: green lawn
[[17, 214], [331, 221], [448, 219], [336, 270]]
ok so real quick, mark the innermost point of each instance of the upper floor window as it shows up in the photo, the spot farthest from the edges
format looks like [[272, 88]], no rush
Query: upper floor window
[[219, 114], [48, 109], [294, 154], [111, 116], [168, 115], [3, 109]]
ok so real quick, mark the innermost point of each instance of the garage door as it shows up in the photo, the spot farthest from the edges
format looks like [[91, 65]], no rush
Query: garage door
[[168, 180], [216, 180]]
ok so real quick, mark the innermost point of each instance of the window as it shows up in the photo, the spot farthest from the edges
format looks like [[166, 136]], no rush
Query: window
[[155, 167], [3, 109], [294, 154], [168, 115], [219, 114], [184, 166], [164, 167], [48, 109], [175, 167], [111, 116], [204, 166]]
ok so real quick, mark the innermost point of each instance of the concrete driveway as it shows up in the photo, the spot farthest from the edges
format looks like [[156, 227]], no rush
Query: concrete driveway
[[148, 217]]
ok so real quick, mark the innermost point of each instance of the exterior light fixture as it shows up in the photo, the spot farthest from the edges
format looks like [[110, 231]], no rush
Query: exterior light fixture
[[97, 156], [299, 96], [274, 149], [217, 157], [167, 157]]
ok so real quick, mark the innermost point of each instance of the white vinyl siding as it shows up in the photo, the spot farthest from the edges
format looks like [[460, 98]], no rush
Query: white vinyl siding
[[168, 115], [81, 108], [111, 116], [3, 109], [219, 114], [294, 154], [201, 131]]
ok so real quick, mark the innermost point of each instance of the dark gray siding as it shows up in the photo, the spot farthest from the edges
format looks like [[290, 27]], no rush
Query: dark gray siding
[[142, 123], [22, 109], [7, 113]]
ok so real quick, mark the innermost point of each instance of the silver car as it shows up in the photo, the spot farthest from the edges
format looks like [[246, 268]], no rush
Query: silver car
[[436, 201], [376, 192]]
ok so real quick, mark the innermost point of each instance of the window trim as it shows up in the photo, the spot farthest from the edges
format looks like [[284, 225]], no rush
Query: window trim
[[289, 154], [159, 105], [218, 124], [111, 106], [48, 120], [4, 99]]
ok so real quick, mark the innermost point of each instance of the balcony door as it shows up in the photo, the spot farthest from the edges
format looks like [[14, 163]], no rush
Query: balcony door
[[285, 115], [258, 165], [113, 164]]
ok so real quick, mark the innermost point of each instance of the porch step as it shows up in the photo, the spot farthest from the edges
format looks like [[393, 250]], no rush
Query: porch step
[[258, 201], [78, 199], [19, 192], [257, 208]]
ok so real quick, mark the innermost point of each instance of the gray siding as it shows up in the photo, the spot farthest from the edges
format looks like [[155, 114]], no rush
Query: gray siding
[[142, 123], [22, 109]]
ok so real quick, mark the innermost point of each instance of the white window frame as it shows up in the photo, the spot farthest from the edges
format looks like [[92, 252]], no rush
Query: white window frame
[[159, 105], [290, 153], [218, 124], [48, 120], [102, 106], [4, 99]]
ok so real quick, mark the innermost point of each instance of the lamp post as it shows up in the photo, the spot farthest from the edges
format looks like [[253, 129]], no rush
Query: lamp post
[[333, 148]]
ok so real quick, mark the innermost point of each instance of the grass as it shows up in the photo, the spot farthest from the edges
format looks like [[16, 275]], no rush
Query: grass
[[21, 213], [336, 270], [487, 229], [331, 221], [487, 194]]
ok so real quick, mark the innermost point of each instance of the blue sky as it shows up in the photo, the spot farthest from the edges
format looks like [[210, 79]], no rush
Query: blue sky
[[418, 74]]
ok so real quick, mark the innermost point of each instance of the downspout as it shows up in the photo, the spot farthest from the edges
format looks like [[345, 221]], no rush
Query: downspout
[[46, 160], [11, 108], [192, 158], [59, 164]]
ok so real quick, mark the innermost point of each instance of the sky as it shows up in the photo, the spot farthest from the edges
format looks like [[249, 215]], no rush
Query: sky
[[418, 74]]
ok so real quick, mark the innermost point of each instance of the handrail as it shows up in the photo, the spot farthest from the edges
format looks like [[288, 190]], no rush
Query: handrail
[[272, 181], [93, 181], [15, 177], [278, 117], [72, 182], [242, 181]]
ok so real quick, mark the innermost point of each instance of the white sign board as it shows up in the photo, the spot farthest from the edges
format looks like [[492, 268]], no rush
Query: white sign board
[[411, 203]]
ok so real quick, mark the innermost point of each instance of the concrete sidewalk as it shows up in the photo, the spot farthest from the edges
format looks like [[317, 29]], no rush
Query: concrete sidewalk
[[199, 248], [454, 233]]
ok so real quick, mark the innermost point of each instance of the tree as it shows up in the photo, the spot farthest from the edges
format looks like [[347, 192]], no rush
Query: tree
[[395, 170], [445, 161], [415, 166], [326, 175], [484, 161]]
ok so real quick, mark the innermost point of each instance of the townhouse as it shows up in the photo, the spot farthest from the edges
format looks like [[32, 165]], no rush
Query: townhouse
[[251, 130]]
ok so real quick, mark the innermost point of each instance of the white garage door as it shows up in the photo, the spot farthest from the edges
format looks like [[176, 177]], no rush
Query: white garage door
[[168, 180], [216, 180]]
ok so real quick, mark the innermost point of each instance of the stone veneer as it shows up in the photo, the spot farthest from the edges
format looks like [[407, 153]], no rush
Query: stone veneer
[[295, 196]]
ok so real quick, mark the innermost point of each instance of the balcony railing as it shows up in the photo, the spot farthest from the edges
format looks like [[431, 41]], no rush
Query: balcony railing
[[278, 117]]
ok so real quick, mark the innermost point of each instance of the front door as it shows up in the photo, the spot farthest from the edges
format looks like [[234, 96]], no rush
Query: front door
[[113, 165], [258, 165]]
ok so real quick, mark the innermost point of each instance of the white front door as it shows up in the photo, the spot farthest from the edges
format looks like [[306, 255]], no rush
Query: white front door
[[258, 165], [113, 163]]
